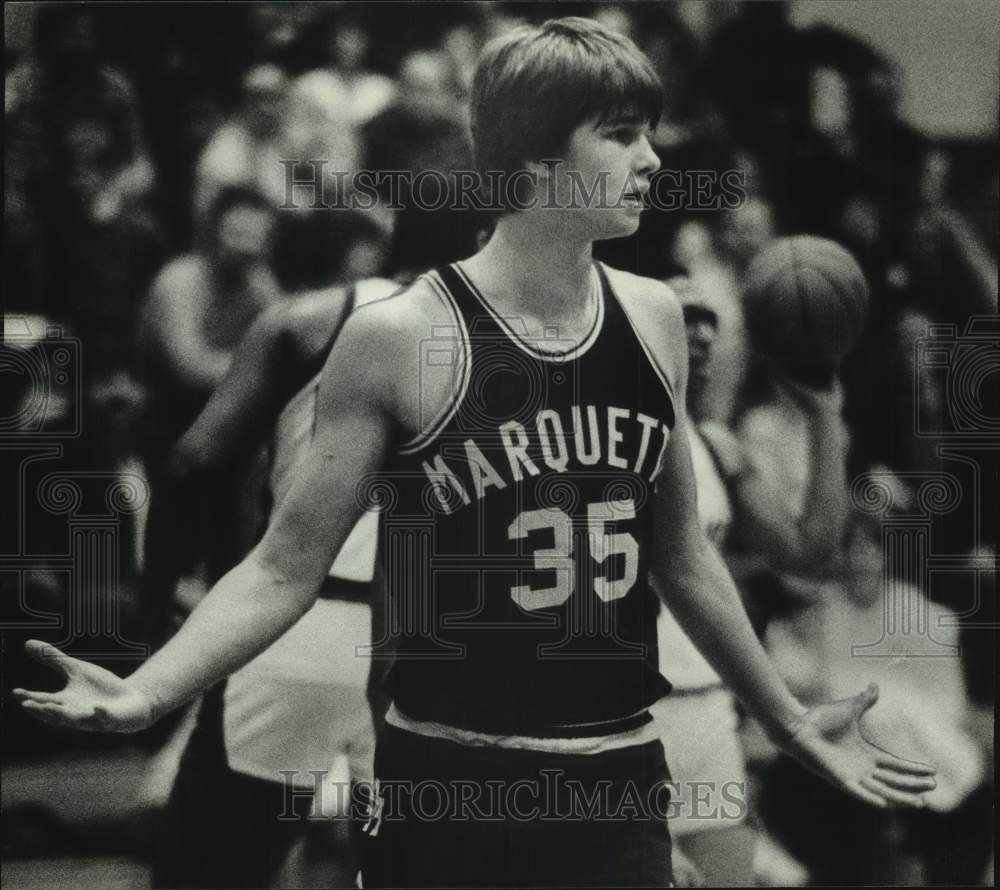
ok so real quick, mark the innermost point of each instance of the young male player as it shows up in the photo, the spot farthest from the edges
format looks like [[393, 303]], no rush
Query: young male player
[[522, 414]]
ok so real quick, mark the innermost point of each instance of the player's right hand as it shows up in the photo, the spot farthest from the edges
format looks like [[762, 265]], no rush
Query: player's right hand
[[93, 698]]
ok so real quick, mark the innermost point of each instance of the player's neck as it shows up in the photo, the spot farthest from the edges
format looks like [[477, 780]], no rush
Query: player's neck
[[524, 261]]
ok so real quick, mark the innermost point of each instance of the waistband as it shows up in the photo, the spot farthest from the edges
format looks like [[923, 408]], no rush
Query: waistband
[[334, 588], [638, 729], [702, 689]]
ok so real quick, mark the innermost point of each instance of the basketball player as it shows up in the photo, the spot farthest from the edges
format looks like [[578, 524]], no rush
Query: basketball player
[[525, 424], [268, 721], [698, 721]]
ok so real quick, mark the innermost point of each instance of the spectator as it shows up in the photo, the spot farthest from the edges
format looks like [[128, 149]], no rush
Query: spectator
[[248, 149], [24, 268], [61, 101], [329, 104], [422, 129], [104, 255], [66, 79], [315, 250], [422, 133], [345, 83], [201, 304]]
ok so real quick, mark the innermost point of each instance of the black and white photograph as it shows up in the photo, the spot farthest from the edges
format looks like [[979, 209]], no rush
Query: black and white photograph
[[499, 444]]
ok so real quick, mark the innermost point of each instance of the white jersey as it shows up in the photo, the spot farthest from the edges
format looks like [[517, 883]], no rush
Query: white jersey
[[680, 661]]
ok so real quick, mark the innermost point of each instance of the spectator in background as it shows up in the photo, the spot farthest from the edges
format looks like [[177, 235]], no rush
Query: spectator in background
[[716, 253], [345, 84], [57, 101], [65, 76], [321, 249], [202, 303], [423, 132], [247, 150], [105, 256], [24, 269], [745, 75], [278, 33], [187, 61], [329, 104], [948, 268], [422, 129], [460, 44]]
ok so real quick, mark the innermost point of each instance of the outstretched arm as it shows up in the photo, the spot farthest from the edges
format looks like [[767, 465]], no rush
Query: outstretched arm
[[703, 598], [262, 597]]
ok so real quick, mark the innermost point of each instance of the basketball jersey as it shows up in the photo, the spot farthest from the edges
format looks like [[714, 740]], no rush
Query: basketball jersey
[[680, 659], [517, 528]]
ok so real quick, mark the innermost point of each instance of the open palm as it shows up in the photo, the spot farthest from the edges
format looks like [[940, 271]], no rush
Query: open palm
[[93, 698], [829, 741]]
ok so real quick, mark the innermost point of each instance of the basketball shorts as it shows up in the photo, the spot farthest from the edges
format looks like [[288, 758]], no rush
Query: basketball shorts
[[698, 731], [444, 814]]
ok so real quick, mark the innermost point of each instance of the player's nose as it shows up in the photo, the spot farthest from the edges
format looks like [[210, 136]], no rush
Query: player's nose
[[647, 161]]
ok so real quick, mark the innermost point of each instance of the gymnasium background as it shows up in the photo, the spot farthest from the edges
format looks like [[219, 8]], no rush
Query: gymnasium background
[[871, 123]]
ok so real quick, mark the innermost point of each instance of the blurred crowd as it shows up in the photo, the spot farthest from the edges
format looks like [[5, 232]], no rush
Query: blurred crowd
[[147, 214]]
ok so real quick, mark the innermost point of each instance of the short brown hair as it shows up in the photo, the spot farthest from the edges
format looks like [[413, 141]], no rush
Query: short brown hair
[[535, 85]]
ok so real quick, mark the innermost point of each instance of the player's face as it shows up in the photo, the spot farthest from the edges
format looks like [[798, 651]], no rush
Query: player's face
[[606, 174]]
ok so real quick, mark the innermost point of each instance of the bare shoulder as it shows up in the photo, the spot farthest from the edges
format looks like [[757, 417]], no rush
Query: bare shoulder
[[368, 290], [641, 288], [393, 337], [380, 353], [309, 320], [409, 314], [655, 312]]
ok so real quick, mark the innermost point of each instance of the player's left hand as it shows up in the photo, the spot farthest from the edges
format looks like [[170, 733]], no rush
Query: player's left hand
[[828, 741]]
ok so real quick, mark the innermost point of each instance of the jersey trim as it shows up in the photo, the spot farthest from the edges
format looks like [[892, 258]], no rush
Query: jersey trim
[[544, 355], [645, 732], [451, 405], [658, 370]]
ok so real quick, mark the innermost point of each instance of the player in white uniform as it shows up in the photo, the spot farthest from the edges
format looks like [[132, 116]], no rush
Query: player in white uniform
[[296, 716], [698, 720]]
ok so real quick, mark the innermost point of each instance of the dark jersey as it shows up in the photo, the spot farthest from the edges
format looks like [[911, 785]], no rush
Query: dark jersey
[[516, 529]]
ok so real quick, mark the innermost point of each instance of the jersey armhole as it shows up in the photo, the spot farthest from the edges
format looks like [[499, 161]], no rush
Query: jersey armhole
[[657, 366], [451, 404]]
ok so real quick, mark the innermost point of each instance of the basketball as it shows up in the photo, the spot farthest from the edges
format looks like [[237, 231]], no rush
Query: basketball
[[806, 301]]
